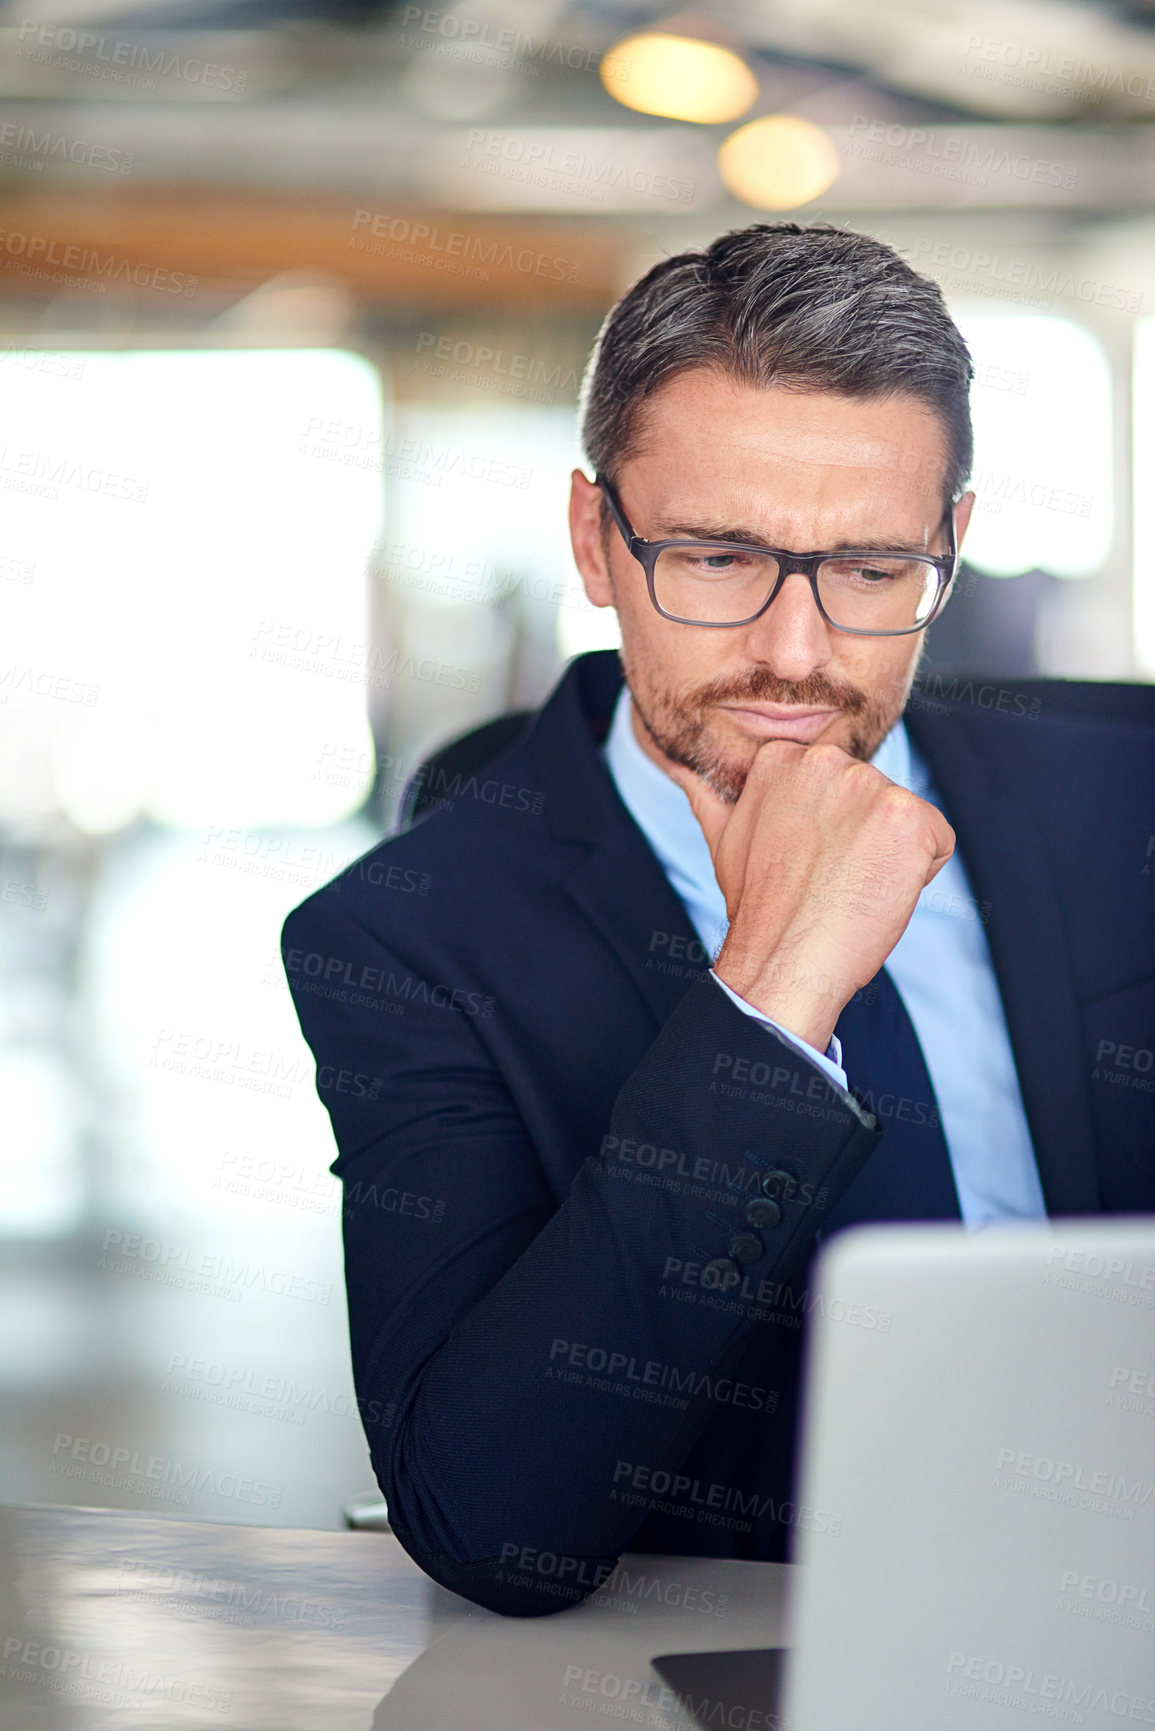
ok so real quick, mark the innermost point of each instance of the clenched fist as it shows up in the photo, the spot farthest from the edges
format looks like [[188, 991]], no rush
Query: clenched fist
[[821, 862]]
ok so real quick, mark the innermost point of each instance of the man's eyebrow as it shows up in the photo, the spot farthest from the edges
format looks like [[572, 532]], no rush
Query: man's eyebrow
[[745, 537], [710, 532]]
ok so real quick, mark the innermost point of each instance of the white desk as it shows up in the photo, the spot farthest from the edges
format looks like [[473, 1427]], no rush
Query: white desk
[[113, 1620]]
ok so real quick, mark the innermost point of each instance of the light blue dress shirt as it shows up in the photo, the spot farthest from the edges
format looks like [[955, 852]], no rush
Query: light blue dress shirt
[[941, 968]]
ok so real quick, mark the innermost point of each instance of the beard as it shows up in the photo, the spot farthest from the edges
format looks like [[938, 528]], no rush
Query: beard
[[677, 722]]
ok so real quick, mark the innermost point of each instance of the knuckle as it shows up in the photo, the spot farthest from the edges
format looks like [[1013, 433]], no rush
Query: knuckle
[[826, 761], [897, 805], [772, 758]]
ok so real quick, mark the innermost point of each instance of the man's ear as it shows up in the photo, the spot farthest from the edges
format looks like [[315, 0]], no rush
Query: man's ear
[[587, 540], [962, 517]]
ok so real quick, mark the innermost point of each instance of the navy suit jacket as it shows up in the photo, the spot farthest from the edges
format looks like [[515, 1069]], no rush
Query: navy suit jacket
[[520, 1057]]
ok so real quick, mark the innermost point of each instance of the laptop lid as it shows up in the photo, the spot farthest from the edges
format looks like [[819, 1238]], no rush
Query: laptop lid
[[980, 1413]]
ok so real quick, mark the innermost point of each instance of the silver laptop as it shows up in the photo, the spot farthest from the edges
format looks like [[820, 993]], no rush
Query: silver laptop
[[988, 1456]]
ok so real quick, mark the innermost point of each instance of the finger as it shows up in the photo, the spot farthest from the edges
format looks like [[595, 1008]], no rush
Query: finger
[[944, 849], [712, 813]]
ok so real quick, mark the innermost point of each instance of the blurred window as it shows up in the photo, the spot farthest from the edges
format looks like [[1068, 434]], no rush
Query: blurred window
[[186, 535], [183, 639], [1043, 472], [1144, 392], [478, 514]]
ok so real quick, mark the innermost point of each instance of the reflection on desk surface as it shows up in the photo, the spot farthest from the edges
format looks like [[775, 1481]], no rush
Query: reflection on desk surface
[[113, 1619]]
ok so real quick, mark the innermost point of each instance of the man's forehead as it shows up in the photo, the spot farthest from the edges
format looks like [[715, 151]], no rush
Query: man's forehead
[[804, 448], [728, 427], [699, 496]]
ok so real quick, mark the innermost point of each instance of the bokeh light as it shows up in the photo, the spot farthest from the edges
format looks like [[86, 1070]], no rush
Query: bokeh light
[[679, 77], [778, 162]]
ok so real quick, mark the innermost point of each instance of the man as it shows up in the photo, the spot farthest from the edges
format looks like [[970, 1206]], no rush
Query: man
[[585, 1170]]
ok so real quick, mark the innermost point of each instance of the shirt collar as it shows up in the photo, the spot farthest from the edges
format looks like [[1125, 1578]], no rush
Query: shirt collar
[[653, 798], [895, 760]]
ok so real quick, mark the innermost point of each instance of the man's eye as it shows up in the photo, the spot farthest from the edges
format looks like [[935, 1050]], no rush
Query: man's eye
[[717, 562], [704, 562], [872, 573]]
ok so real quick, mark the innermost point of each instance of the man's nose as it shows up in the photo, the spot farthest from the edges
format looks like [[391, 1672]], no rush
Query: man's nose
[[791, 637]]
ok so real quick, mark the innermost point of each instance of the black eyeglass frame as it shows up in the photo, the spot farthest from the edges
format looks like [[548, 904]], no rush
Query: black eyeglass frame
[[646, 553]]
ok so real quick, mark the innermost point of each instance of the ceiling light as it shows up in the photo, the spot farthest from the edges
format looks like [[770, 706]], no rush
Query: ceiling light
[[679, 77], [778, 162]]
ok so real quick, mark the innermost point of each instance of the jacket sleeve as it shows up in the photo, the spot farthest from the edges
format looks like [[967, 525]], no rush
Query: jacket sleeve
[[507, 1351]]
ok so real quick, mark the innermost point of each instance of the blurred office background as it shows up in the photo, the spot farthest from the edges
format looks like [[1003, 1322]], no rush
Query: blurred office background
[[294, 305]]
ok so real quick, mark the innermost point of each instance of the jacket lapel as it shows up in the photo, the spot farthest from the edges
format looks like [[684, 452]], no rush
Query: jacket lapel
[[625, 894], [1009, 868], [613, 875]]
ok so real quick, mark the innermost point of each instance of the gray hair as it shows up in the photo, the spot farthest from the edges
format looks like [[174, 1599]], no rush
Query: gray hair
[[805, 306]]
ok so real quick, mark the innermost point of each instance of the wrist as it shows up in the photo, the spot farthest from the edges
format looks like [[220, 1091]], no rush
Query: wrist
[[802, 1000]]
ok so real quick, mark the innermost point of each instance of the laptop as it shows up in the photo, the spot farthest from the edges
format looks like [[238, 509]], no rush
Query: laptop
[[992, 1458]]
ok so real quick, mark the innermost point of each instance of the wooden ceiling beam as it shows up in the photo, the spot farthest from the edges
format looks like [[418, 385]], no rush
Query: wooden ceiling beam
[[145, 239]]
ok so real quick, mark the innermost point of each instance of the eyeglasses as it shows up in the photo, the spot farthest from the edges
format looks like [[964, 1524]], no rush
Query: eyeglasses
[[725, 583]]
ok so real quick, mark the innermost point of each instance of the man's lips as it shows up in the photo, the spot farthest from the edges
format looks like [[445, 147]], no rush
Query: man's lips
[[779, 720]]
